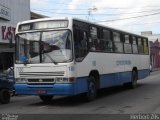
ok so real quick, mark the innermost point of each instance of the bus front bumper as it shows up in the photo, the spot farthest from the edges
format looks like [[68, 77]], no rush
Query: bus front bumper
[[54, 89]]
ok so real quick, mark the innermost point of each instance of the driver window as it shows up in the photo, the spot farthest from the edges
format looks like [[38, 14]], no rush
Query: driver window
[[80, 44]]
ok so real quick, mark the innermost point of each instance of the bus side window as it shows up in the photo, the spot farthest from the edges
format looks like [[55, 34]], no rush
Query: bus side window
[[127, 44], [93, 40], [145, 43], [96, 41], [134, 45], [140, 46], [80, 44], [108, 44], [118, 45]]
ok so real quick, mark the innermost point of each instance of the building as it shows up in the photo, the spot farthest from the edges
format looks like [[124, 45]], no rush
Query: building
[[36, 16], [152, 37], [154, 48], [155, 54], [11, 12]]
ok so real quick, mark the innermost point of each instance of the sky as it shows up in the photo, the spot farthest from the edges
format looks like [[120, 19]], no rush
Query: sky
[[129, 15]]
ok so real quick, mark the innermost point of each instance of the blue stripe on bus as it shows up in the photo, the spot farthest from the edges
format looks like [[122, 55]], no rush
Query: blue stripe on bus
[[114, 79], [143, 73], [81, 85], [108, 80]]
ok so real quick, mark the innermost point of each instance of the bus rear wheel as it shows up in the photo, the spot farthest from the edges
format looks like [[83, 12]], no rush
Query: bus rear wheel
[[46, 98], [134, 79], [4, 96], [133, 83], [92, 90]]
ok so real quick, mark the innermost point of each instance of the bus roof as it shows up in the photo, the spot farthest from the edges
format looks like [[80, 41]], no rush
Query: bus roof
[[72, 18]]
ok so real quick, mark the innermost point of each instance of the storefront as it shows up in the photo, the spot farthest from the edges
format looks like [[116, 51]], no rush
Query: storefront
[[11, 12]]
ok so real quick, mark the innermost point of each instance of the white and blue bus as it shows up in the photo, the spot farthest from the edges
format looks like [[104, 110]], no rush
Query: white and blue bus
[[69, 56]]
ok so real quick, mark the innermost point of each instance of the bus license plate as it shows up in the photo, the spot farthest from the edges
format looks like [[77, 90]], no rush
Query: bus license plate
[[41, 91]]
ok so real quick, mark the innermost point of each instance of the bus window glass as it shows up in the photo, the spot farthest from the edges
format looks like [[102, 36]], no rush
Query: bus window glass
[[135, 49], [118, 45], [126, 38], [116, 37], [108, 44], [127, 44], [54, 46], [145, 46], [80, 44], [140, 46], [28, 47], [93, 40], [134, 45], [51, 47], [134, 41]]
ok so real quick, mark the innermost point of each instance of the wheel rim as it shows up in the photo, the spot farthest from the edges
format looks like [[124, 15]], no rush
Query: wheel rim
[[92, 89], [6, 96], [134, 82]]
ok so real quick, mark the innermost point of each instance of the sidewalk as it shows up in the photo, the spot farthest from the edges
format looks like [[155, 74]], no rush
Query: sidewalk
[[155, 69]]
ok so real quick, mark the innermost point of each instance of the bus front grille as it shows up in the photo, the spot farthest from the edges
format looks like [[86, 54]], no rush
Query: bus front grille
[[41, 74], [40, 81]]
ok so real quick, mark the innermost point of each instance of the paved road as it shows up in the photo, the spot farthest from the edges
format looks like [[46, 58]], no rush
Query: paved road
[[117, 100]]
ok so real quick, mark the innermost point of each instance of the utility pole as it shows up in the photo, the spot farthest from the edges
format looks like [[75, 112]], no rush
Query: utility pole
[[90, 10]]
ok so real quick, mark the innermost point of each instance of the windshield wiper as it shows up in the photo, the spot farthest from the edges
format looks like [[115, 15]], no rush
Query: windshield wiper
[[50, 58]]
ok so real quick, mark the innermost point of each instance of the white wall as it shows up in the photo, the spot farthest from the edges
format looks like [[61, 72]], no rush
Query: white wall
[[154, 37], [19, 10]]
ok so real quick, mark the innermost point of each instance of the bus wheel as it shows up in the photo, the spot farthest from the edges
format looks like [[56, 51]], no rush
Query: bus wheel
[[4, 96], [92, 90], [46, 98], [133, 83]]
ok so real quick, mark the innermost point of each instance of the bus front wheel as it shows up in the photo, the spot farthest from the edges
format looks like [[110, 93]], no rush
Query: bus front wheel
[[92, 90], [46, 98], [4, 96]]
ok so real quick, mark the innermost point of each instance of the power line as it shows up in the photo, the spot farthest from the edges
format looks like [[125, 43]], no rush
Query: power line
[[88, 8], [142, 23], [130, 17], [111, 7], [97, 14]]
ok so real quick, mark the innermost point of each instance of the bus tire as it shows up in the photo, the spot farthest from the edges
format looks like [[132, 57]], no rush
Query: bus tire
[[92, 90], [46, 98], [133, 83], [4, 96]]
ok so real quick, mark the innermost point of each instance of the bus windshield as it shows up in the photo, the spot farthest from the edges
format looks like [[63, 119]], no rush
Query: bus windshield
[[44, 47]]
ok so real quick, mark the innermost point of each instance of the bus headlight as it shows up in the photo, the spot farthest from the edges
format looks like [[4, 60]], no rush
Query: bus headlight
[[65, 80], [21, 80]]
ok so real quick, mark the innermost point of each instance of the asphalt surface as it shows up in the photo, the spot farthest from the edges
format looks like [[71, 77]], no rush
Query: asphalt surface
[[116, 100]]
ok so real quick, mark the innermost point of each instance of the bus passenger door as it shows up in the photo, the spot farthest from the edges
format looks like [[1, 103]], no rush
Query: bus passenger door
[[80, 52]]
